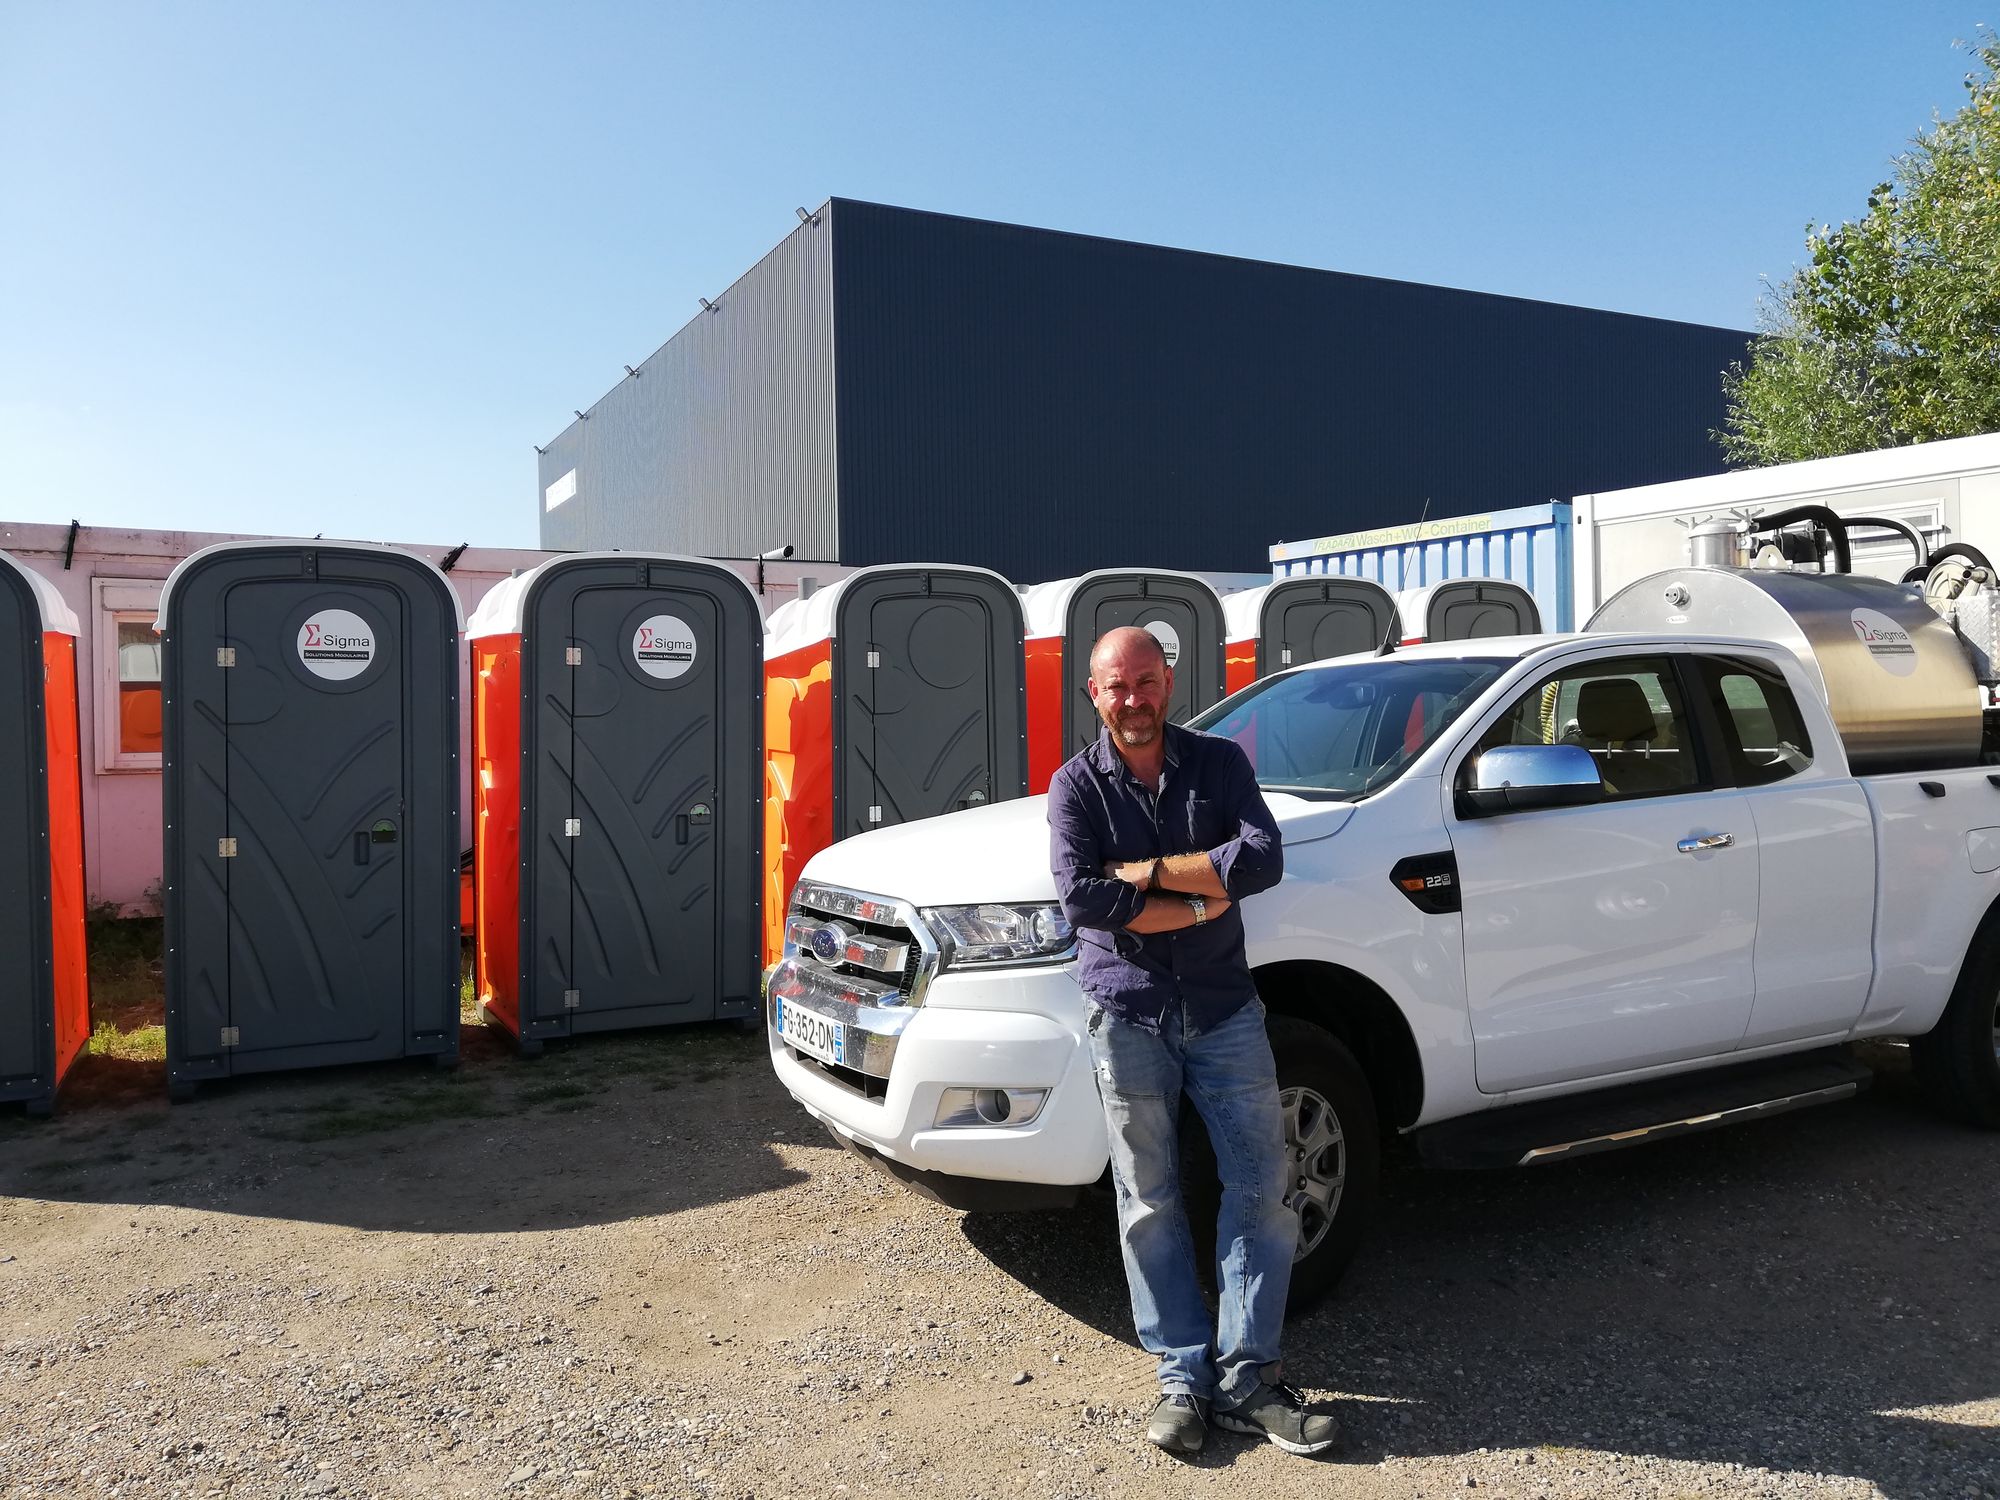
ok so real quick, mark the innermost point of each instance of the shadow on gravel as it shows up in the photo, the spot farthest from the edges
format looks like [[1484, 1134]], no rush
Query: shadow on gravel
[[1770, 1295], [597, 1130]]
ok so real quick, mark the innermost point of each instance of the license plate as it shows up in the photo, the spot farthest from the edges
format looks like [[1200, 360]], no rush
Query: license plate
[[812, 1033]]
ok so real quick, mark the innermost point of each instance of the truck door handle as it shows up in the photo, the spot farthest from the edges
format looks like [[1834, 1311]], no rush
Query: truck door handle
[[1705, 843]]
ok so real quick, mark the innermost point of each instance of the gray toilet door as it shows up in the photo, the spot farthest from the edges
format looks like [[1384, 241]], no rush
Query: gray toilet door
[[318, 808], [928, 677], [1183, 613], [26, 994], [1310, 619], [644, 746], [1478, 610]]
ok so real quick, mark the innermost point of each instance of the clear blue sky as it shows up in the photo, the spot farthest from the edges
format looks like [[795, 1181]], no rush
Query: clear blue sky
[[334, 267]]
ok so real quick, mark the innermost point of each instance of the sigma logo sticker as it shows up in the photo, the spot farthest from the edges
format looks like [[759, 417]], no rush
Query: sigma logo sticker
[[663, 647], [336, 644], [1887, 642], [1168, 637]]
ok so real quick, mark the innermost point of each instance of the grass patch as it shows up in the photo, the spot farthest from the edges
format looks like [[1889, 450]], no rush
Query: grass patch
[[128, 1007], [339, 1118], [142, 1043], [559, 1089]]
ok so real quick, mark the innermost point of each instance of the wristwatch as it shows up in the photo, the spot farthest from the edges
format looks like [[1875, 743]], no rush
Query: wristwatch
[[1200, 909]]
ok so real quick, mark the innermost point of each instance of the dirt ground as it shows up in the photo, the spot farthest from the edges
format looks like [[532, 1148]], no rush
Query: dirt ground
[[633, 1267]]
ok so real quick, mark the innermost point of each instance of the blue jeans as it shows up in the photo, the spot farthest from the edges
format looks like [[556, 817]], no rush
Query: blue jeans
[[1228, 1073]]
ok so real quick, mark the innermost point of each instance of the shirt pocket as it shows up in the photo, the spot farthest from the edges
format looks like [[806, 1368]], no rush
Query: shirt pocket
[[1206, 826]]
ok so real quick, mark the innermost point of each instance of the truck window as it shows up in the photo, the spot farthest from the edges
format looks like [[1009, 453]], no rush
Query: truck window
[[1763, 732], [1627, 713], [1348, 731]]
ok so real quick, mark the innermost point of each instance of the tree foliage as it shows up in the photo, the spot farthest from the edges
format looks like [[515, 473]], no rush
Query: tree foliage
[[1890, 333]]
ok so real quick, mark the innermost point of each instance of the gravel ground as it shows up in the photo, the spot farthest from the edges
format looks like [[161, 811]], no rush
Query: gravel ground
[[633, 1267]]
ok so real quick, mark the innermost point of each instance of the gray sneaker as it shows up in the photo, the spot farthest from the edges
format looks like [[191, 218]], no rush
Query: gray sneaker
[[1179, 1424], [1279, 1413]]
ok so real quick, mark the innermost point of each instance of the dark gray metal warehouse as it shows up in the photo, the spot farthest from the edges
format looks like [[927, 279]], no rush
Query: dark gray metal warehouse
[[888, 385]]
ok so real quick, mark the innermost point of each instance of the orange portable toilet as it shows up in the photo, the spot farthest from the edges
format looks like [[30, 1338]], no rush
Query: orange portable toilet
[[1066, 617], [1291, 621], [617, 771], [890, 695], [44, 972]]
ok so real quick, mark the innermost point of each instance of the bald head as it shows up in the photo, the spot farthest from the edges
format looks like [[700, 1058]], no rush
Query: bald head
[[1130, 683], [1125, 641]]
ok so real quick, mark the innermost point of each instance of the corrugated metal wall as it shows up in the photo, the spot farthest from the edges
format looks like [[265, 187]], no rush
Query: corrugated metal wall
[[1530, 546], [1046, 403], [723, 444]]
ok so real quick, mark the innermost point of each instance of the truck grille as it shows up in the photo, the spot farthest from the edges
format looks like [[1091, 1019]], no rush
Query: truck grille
[[865, 937]]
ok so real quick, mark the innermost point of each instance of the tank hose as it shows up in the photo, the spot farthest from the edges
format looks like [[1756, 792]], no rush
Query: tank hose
[[1908, 532], [1832, 520]]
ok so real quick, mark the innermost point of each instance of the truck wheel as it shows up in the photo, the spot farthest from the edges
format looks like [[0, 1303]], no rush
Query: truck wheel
[[1335, 1147], [1958, 1060]]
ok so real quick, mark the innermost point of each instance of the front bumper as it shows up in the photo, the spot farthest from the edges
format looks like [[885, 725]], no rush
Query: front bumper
[[1006, 1028]]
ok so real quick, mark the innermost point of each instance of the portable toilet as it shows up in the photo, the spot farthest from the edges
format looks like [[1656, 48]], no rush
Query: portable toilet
[[44, 974], [310, 725], [1065, 619], [617, 774], [1467, 609], [1291, 621], [890, 695]]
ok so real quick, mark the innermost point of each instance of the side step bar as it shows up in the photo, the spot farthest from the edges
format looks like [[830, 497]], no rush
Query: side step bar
[[1606, 1119]]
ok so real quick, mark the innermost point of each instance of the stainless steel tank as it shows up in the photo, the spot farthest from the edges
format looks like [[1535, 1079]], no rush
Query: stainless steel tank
[[1895, 678]]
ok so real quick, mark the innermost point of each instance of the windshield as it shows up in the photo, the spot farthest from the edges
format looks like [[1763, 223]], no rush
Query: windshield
[[1346, 731]]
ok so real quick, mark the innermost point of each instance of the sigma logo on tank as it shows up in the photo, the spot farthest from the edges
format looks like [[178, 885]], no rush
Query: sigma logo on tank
[[336, 644], [1888, 643], [664, 647], [1168, 637]]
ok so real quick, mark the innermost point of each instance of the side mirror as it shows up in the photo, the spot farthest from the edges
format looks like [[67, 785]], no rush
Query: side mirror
[[1520, 778]]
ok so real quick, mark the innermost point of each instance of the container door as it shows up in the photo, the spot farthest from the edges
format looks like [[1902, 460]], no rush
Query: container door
[[645, 754], [928, 719], [25, 996], [315, 867]]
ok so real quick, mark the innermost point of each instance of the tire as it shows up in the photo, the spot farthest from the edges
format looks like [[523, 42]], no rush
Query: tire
[[1958, 1060], [1315, 1070]]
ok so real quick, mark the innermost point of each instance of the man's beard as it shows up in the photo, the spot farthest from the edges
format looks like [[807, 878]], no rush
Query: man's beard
[[1137, 729]]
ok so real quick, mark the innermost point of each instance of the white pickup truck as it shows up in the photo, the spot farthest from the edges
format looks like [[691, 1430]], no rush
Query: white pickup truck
[[1542, 896]]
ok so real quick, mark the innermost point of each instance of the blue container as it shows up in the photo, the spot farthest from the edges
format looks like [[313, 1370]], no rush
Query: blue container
[[1529, 546]]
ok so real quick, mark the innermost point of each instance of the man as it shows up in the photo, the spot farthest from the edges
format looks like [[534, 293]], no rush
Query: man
[[1155, 832]]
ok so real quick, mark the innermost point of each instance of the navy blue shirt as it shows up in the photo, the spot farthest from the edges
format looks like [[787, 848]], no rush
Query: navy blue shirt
[[1208, 803]]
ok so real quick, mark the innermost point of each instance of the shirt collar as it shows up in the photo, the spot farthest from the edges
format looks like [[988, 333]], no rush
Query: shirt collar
[[1110, 763]]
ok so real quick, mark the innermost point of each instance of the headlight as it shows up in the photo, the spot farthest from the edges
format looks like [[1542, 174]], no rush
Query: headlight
[[968, 935]]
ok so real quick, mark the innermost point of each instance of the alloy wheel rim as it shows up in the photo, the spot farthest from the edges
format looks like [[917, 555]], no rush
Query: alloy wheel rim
[[1316, 1161]]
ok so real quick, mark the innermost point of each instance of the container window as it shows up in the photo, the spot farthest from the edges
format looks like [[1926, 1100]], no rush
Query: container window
[[125, 691], [138, 688]]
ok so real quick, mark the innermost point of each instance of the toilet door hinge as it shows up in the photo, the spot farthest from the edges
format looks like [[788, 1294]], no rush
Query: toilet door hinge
[[874, 658], [225, 848], [572, 828], [231, 1035], [875, 814], [573, 656], [225, 656], [572, 999]]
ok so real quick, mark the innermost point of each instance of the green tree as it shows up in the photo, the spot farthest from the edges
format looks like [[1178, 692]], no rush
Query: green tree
[[1890, 333]]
